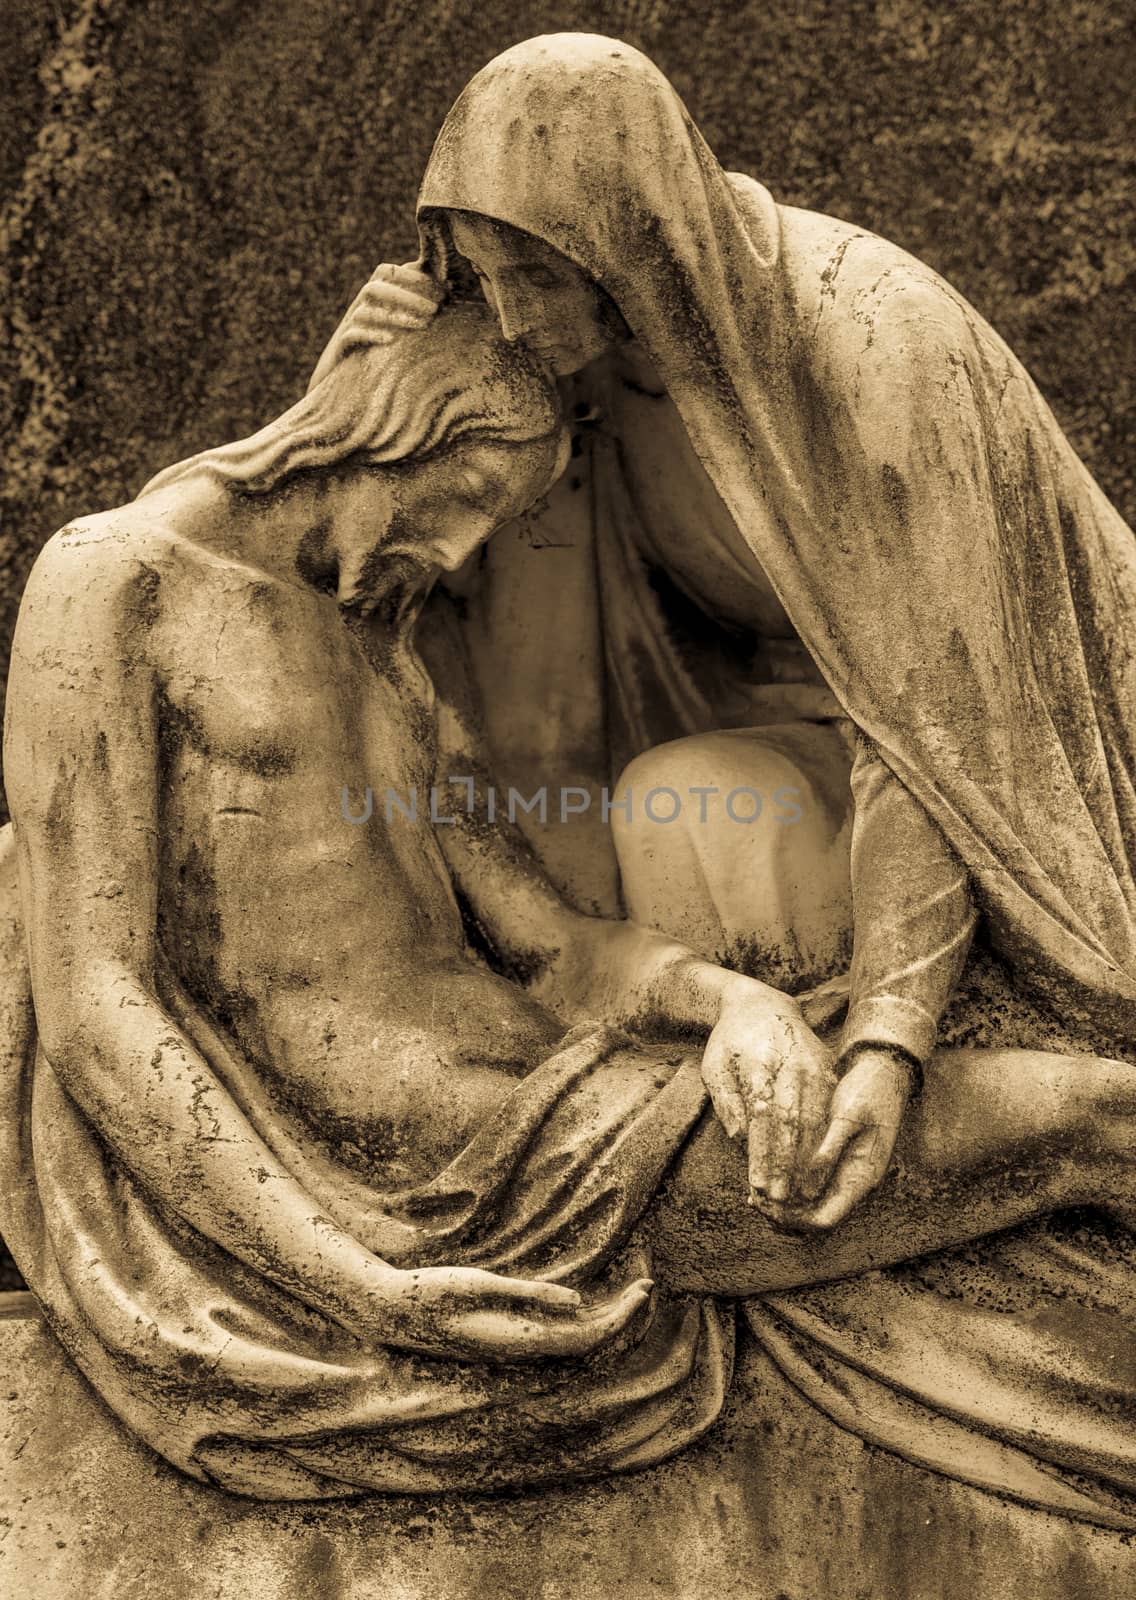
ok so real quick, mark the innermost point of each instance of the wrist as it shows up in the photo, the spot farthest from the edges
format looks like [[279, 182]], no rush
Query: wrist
[[890, 1019], [895, 1055], [614, 968], [704, 993]]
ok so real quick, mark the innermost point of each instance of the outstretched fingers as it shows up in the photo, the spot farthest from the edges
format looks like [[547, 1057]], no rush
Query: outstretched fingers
[[866, 1159], [785, 1120], [472, 1314], [555, 1296], [398, 297], [535, 1331], [771, 1081], [410, 277], [825, 1158], [759, 1104]]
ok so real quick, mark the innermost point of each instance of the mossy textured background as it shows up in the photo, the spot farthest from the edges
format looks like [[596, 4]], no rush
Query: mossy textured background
[[193, 189]]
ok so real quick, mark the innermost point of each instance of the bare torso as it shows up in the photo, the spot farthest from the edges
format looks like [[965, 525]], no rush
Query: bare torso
[[332, 951]]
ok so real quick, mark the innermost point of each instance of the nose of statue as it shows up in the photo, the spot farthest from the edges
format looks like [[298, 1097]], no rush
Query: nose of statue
[[516, 314], [512, 327]]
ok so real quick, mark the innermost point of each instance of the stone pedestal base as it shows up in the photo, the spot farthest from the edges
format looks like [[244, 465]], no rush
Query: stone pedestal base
[[778, 1504]]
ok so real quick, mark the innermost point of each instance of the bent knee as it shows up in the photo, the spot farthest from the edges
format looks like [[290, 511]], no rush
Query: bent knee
[[738, 777], [652, 781]]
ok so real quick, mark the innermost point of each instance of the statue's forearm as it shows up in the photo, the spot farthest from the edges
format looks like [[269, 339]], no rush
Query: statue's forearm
[[170, 1121], [637, 978]]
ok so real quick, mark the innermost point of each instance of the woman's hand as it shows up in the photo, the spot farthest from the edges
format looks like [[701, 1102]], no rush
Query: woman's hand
[[392, 301], [864, 1119], [771, 1080], [473, 1315]]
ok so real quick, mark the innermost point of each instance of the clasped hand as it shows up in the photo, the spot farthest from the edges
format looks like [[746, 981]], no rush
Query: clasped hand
[[816, 1144]]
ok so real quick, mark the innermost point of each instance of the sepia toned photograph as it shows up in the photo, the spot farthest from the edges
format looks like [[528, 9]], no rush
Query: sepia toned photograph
[[568, 832]]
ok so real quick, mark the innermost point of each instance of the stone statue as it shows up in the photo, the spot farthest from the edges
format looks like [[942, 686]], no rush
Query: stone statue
[[346, 1152], [284, 1157]]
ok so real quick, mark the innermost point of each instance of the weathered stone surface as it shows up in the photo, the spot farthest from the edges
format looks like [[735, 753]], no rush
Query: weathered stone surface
[[778, 1504], [137, 205]]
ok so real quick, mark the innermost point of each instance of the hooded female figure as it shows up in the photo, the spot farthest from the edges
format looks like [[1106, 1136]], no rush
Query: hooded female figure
[[815, 498]]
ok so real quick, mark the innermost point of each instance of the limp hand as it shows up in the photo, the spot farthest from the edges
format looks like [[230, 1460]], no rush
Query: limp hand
[[392, 301], [771, 1080], [474, 1315]]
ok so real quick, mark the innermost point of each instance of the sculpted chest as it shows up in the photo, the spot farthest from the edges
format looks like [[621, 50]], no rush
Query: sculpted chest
[[265, 680]]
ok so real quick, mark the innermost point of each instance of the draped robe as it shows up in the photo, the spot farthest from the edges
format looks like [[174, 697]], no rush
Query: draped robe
[[227, 1371], [963, 585]]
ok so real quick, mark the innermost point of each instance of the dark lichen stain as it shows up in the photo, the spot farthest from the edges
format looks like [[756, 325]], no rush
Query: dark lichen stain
[[829, 275], [896, 495], [143, 598], [519, 965], [153, 338], [189, 921], [269, 759], [783, 965], [314, 563], [58, 819], [180, 726], [819, 414], [183, 726]]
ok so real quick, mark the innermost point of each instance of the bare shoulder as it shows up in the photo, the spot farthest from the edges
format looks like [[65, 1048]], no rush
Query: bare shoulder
[[101, 575]]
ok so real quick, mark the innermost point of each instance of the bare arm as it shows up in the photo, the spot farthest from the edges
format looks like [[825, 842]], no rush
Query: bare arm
[[82, 755]]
